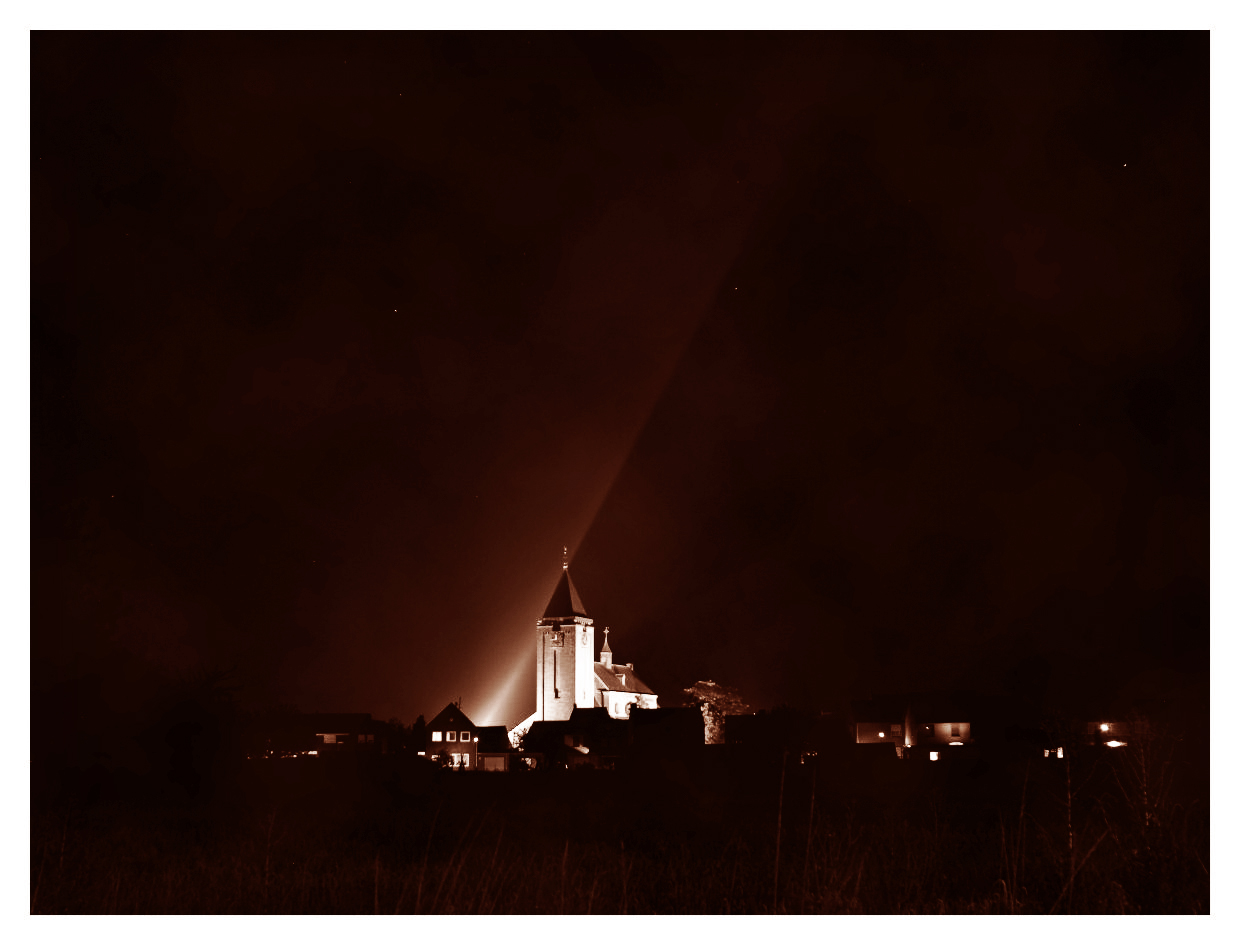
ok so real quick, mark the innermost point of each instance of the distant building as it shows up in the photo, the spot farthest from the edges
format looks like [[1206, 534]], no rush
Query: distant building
[[928, 722], [342, 731], [318, 734], [568, 677], [495, 752], [452, 739], [1114, 734]]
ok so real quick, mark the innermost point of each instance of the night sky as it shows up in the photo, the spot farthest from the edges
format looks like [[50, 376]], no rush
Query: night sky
[[842, 363]]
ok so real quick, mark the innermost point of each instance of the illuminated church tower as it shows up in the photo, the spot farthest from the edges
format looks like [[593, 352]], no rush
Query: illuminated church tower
[[565, 657]]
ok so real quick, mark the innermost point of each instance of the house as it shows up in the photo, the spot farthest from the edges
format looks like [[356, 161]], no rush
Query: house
[[345, 731], [1112, 733], [317, 735], [927, 723], [495, 751], [452, 739]]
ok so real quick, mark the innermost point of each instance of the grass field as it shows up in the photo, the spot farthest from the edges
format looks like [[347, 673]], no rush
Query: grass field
[[709, 834]]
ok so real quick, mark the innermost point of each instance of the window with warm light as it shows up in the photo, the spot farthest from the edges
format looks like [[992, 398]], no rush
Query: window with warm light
[[452, 736], [465, 735], [934, 756], [436, 736]]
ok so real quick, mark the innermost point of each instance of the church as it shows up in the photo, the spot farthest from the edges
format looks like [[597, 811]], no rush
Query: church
[[568, 676]]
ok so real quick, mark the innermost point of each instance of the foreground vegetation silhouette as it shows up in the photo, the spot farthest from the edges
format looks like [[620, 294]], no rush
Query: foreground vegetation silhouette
[[715, 832]]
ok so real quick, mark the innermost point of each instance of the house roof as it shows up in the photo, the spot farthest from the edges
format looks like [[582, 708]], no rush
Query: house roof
[[450, 718], [493, 739], [609, 678], [565, 601]]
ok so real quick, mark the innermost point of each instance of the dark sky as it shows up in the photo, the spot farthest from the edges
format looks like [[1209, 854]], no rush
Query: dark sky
[[841, 362]]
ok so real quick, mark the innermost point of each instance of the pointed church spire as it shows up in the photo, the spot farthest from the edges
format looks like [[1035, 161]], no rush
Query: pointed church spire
[[565, 601], [604, 655]]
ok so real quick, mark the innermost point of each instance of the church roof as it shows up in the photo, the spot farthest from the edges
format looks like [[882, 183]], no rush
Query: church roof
[[609, 678], [565, 601]]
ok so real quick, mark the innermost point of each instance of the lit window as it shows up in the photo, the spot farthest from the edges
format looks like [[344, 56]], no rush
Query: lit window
[[456, 761], [421, 754], [465, 736], [465, 761], [934, 756], [329, 739], [452, 736], [1046, 752], [1059, 753], [436, 736]]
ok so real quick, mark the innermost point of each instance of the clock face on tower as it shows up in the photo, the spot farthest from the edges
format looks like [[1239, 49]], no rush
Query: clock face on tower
[[556, 637]]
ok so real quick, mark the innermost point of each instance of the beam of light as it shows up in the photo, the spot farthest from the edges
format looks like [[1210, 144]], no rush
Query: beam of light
[[504, 698], [1114, 743], [501, 696]]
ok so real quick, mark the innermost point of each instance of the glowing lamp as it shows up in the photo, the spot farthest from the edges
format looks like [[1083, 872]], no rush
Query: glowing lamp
[[882, 734], [1113, 743], [1104, 727]]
